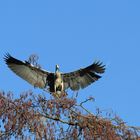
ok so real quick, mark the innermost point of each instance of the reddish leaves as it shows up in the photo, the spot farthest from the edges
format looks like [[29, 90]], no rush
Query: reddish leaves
[[35, 116]]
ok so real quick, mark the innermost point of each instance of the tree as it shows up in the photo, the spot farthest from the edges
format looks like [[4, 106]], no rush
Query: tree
[[36, 116]]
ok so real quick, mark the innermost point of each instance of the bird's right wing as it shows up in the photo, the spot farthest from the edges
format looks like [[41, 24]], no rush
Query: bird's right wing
[[33, 75]]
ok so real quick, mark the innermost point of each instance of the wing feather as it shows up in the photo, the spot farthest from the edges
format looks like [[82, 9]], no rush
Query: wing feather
[[33, 75], [83, 77]]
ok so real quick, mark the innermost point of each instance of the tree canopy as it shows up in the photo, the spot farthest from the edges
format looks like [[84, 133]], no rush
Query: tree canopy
[[39, 117]]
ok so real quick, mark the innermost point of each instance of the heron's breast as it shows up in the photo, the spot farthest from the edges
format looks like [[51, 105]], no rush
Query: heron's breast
[[58, 82]]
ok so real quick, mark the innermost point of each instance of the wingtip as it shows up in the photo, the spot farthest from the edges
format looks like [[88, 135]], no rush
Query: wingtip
[[6, 57], [101, 66], [9, 59]]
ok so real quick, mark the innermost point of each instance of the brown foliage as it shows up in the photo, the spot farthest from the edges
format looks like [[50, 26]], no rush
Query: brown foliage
[[35, 116]]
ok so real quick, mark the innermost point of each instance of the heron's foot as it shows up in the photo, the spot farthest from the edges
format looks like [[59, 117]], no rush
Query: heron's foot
[[59, 94]]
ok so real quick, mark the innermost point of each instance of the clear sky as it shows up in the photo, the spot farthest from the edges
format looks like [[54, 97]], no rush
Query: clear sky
[[74, 33]]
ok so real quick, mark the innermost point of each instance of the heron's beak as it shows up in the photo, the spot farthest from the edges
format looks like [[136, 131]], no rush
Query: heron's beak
[[57, 68]]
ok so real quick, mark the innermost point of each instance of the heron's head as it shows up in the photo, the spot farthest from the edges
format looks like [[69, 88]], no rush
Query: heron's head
[[56, 68]]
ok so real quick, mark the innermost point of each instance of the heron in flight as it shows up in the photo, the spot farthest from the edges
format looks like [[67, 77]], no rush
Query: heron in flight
[[56, 81]]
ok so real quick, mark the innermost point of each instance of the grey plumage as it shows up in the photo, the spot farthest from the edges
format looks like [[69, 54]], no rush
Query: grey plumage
[[40, 78]]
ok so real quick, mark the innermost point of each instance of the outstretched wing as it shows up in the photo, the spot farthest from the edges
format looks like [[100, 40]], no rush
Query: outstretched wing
[[33, 75], [83, 77]]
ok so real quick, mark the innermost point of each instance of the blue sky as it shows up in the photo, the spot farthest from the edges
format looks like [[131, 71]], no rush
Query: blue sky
[[73, 34]]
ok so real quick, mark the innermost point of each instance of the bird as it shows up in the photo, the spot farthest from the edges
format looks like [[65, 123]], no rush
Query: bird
[[55, 81]]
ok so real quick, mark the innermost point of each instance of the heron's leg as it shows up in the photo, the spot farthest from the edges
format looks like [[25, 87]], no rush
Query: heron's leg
[[54, 88], [62, 87], [55, 92]]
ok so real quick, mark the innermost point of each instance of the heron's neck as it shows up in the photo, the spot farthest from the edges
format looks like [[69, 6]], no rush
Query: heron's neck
[[57, 70]]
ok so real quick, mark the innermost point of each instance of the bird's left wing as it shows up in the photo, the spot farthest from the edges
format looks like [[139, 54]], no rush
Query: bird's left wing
[[83, 77], [33, 75]]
